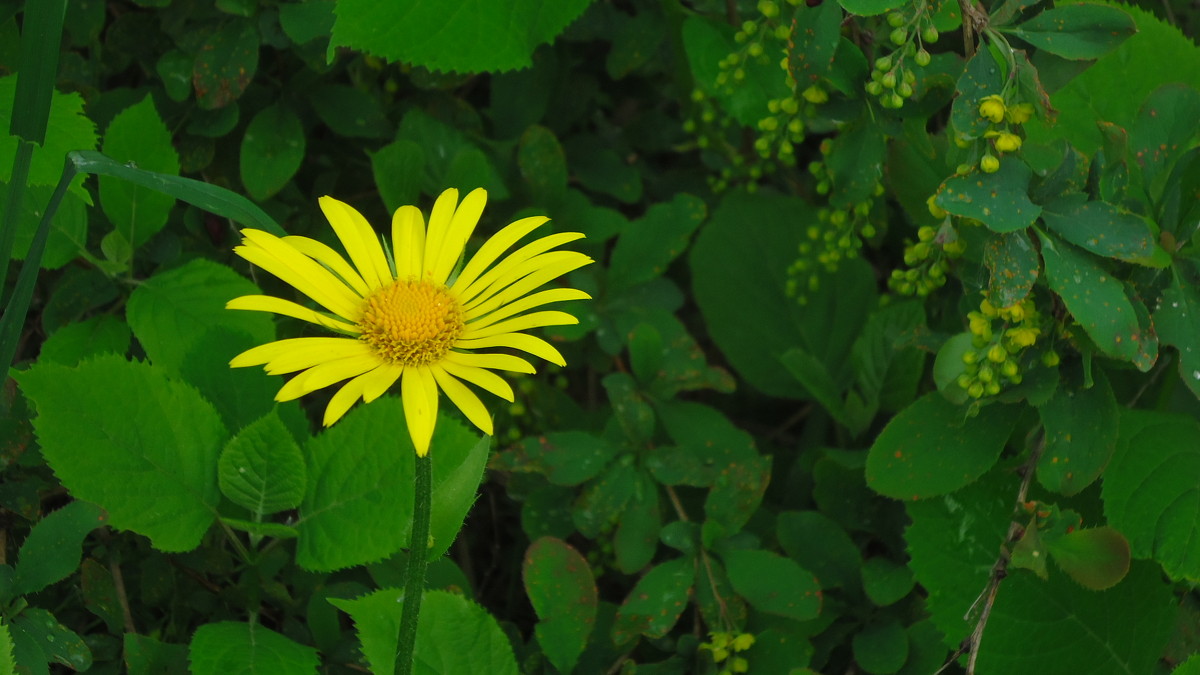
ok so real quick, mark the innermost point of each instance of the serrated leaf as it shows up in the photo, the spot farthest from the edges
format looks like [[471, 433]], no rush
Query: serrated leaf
[[1105, 230], [463, 35], [1081, 435], [562, 590], [774, 584], [656, 601], [231, 647], [272, 150], [932, 447], [147, 656], [172, 310], [1165, 127], [75, 342], [240, 395], [138, 136], [1096, 558], [68, 228], [1150, 492], [262, 468], [52, 550], [1098, 302], [1077, 31], [68, 128], [855, 162], [357, 507], [7, 664], [650, 243], [57, 643], [1013, 267], [999, 200], [127, 437], [225, 64]]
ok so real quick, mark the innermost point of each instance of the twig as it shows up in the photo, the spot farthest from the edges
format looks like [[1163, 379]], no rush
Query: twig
[[122, 597], [974, 21]]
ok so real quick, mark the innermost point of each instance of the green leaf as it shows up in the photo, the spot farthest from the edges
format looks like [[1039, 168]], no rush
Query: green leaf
[[836, 562], [816, 34], [7, 664], [1165, 127], [649, 244], [774, 584], [1081, 435], [656, 601], [1177, 321], [75, 342], [881, 647], [172, 310], [1013, 267], [562, 590], [1097, 558], [138, 137], [460, 35], [232, 647], [41, 36], [175, 70], [706, 43], [814, 376], [998, 200], [454, 635], [147, 656], [69, 129], [261, 529], [349, 112], [1106, 230], [225, 64], [598, 167], [886, 581], [52, 550], [398, 168], [543, 164], [451, 157], [272, 150], [1076, 31], [855, 162], [870, 7], [1189, 667], [240, 395], [604, 500], [304, 22], [982, 77], [127, 437], [1150, 492], [68, 228], [358, 504], [58, 644], [933, 447], [636, 540], [635, 40], [1099, 303], [565, 457], [262, 468], [630, 408]]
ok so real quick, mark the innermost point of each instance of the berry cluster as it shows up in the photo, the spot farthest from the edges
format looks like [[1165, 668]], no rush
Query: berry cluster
[[1004, 120], [725, 647], [928, 260], [893, 79], [997, 350]]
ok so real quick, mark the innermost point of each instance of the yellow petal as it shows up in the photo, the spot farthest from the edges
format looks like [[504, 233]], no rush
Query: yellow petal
[[331, 259], [408, 242], [360, 240], [466, 400], [526, 343], [508, 362], [270, 351], [268, 303], [534, 320], [524, 258], [420, 394], [484, 379], [315, 352], [496, 309], [466, 216], [494, 247], [343, 399], [298, 270], [528, 275], [439, 224], [324, 374], [380, 380]]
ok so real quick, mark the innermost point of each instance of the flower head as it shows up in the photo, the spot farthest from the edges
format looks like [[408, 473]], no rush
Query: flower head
[[992, 108], [405, 316]]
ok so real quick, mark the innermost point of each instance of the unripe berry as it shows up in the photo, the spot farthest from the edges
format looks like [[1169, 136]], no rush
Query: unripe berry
[[922, 58], [888, 80], [895, 100], [895, 19], [963, 380], [883, 63], [930, 34], [789, 105], [1050, 359], [975, 390], [905, 90], [874, 88], [1009, 369], [991, 388], [755, 49], [783, 32], [768, 8], [899, 36], [989, 164], [997, 354], [1007, 142]]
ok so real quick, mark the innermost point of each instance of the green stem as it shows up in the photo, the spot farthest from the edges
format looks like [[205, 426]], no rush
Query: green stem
[[417, 561]]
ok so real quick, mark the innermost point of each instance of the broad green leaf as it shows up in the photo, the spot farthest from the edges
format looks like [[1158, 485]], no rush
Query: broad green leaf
[[598, 167], [1099, 303], [1081, 435], [982, 77], [656, 601], [630, 408], [134, 441], [886, 581], [1189, 667], [1150, 492], [546, 512], [52, 550], [926, 652], [603, 501], [358, 504], [1013, 267], [452, 159], [1076, 31], [58, 644], [774, 584], [933, 447], [562, 590], [1106, 230], [262, 529], [240, 395], [75, 342], [855, 162], [635, 40], [225, 63], [881, 647], [454, 635], [706, 43], [262, 468], [175, 70], [816, 33], [543, 164], [349, 111], [272, 150], [636, 539], [646, 352], [1177, 321], [100, 595], [398, 168], [68, 228], [304, 22], [998, 200], [138, 137], [888, 371], [837, 560], [148, 656], [1165, 128], [69, 129], [172, 310], [649, 244], [870, 7], [813, 375], [565, 457], [1097, 558], [7, 664], [231, 647], [460, 35], [27, 652]]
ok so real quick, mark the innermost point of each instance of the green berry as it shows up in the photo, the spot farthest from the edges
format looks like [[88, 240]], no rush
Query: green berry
[[883, 64], [922, 58], [888, 81], [930, 34], [899, 36], [895, 19]]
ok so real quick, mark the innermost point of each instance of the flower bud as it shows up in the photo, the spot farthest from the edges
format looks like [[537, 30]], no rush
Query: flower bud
[[992, 108]]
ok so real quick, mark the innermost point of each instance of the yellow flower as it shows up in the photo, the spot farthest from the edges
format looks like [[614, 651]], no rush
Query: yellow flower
[[1020, 113], [989, 164], [1006, 142], [404, 316], [991, 108]]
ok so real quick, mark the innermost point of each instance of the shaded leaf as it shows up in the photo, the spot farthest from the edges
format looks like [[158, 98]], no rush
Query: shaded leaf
[[231, 647], [656, 601], [1013, 266], [1081, 435], [1077, 31], [999, 200], [774, 584], [1105, 230], [1096, 558], [562, 589]]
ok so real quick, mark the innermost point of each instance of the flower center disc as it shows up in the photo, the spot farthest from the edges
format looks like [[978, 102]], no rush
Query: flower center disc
[[411, 323]]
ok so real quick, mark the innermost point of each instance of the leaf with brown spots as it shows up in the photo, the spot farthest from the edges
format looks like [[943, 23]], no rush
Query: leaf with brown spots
[[1164, 129], [655, 603], [1077, 31], [562, 589], [1081, 435], [998, 200]]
